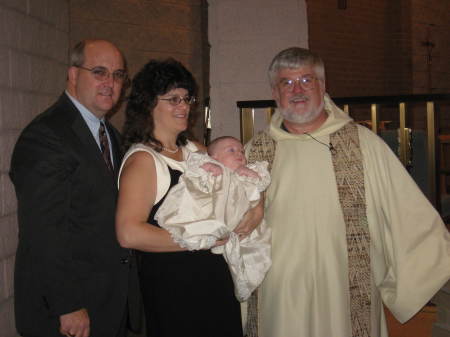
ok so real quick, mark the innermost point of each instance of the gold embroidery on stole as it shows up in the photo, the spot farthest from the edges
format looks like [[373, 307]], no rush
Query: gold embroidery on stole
[[349, 171]]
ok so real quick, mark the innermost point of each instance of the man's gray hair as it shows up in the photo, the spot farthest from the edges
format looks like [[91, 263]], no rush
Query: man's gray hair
[[77, 54], [296, 57]]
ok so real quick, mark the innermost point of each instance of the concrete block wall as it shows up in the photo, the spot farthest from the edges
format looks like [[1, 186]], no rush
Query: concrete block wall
[[146, 29], [33, 59]]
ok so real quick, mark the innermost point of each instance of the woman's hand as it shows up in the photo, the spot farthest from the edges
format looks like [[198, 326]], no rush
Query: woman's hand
[[251, 220]]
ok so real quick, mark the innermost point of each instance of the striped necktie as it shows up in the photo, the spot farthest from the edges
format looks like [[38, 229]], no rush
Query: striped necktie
[[104, 145]]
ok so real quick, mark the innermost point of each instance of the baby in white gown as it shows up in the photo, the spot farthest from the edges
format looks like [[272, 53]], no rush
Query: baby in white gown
[[210, 200]]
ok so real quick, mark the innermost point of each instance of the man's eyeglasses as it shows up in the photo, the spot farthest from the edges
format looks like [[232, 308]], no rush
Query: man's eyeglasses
[[103, 74], [176, 100], [307, 82]]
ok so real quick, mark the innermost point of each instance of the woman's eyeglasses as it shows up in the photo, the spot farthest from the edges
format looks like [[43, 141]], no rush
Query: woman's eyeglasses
[[176, 100]]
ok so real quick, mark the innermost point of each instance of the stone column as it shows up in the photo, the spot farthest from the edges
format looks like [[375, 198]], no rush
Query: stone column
[[244, 36]]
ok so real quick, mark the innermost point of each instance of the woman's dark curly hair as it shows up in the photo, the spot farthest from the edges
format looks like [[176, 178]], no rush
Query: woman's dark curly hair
[[156, 78]]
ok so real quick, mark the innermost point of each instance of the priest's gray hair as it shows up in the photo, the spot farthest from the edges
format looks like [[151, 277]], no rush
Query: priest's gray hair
[[295, 57]]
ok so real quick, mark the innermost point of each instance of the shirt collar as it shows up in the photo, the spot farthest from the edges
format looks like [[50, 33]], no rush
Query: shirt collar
[[88, 116]]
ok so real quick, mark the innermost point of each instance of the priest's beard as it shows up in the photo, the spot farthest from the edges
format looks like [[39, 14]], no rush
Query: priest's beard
[[290, 115]]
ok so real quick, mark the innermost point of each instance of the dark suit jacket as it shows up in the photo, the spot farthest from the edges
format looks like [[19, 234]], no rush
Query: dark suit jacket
[[68, 256]]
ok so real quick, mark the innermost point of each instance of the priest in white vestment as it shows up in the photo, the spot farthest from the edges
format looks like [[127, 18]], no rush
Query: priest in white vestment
[[335, 262]]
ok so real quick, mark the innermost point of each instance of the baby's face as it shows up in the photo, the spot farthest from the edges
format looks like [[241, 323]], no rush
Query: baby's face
[[230, 153]]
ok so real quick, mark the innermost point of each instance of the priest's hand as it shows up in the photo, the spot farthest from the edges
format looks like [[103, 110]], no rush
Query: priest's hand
[[251, 220]]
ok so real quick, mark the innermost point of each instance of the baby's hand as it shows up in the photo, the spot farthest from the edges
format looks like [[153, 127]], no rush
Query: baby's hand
[[245, 171], [214, 169], [220, 242]]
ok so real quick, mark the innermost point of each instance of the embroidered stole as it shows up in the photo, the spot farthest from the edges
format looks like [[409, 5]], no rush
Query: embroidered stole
[[348, 167]]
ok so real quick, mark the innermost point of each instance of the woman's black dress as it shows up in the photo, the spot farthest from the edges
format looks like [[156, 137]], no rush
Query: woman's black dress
[[187, 294]]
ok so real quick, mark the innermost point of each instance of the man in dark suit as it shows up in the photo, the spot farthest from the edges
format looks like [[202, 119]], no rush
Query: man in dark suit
[[71, 276]]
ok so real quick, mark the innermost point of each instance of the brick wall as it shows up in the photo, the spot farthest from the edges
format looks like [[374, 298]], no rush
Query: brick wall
[[382, 47], [430, 53], [33, 55], [366, 47], [146, 29], [430, 20]]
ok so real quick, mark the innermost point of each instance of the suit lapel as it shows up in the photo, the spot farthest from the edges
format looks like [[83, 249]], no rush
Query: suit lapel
[[81, 130]]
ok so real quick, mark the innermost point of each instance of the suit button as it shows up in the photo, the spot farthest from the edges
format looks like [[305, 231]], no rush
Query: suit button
[[124, 260]]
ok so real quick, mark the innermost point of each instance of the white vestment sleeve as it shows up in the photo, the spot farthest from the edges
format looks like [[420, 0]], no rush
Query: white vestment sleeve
[[410, 244]]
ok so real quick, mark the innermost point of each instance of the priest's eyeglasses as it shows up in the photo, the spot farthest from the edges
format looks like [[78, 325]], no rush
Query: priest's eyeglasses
[[103, 74], [307, 82], [176, 100]]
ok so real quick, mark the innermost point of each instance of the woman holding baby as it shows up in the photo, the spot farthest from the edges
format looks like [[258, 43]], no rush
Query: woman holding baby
[[185, 293]]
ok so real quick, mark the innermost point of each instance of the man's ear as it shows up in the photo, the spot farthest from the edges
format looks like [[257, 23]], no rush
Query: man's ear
[[72, 75], [322, 86]]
